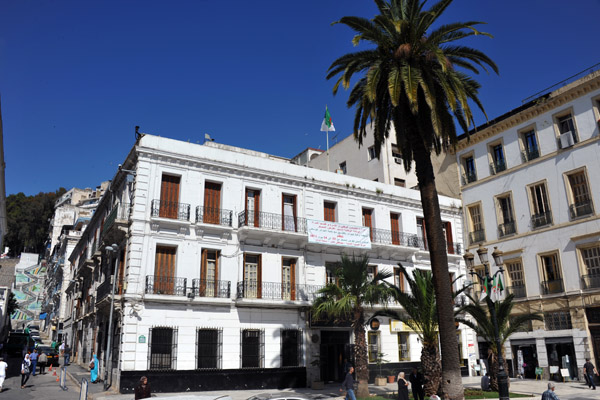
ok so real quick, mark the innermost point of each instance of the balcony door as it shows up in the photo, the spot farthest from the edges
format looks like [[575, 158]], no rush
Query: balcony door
[[551, 273], [252, 276], [164, 270], [447, 227], [212, 203], [169, 196], [367, 219], [252, 207], [288, 212], [209, 273], [288, 279], [395, 221]]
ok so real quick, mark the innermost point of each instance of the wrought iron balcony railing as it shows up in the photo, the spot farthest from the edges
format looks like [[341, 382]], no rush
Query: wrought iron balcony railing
[[528, 155], [518, 291], [591, 281], [104, 289], [276, 291], [383, 236], [542, 219], [272, 221], [216, 216], [507, 228], [477, 236], [170, 209], [497, 166], [169, 285], [552, 287], [469, 176], [582, 209], [211, 288]]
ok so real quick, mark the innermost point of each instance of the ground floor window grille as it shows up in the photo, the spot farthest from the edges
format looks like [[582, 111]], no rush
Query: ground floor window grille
[[373, 343], [162, 348], [557, 320], [252, 348], [209, 348], [291, 348], [403, 347]]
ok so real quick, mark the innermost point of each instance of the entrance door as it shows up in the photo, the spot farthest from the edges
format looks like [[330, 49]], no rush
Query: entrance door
[[212, 203], [335, 349], [529, 359], [252, 207]]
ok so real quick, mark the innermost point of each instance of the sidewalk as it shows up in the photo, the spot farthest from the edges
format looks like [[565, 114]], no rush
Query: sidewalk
[[75, 373]]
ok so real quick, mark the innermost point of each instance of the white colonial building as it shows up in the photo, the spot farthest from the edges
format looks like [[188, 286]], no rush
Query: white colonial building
[[530, 187], [219, 253]]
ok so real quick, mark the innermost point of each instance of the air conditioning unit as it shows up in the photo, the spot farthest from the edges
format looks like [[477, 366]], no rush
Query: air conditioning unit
[[566, 140], [397, 160]]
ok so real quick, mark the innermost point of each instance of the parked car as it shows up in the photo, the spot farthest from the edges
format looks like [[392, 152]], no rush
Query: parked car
[[16, 341], [51, 353]]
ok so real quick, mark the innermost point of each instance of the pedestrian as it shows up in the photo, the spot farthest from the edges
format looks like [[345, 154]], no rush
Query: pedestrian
[[416, 381], [43, 361], [549, 394], [590, 371], [67, 354], [94, 369], [348, 385], [34, 360], [142, 390], [3, 367], [402, 387], [25, 370], [485, 382]]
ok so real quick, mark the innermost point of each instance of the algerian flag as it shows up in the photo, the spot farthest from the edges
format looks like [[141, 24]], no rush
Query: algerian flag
[[484, 290], [327, 125], [497, 289], [494, 291]]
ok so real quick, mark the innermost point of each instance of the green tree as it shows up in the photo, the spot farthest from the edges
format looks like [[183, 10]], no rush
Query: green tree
[[12, 304], [412, 77], [484, 326], [349, 299]]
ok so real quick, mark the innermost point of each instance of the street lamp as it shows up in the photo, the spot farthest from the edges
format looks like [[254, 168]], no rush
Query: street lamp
[[487, 279]]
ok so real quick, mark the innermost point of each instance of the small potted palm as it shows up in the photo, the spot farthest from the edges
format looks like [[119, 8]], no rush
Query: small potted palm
[[380, 379]]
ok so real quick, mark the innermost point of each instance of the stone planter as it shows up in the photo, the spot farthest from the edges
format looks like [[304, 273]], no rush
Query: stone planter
[[380, 381]]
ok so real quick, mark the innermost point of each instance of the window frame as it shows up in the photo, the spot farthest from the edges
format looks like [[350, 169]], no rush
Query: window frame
[[343, 167], [260, 361], [399, 182], [333, 213], [573, 214], [526, 155], [466, 177], [371, 153], [172, 351], [299, 348], [372, 358], [495, 166], [556, 122], [510, 282], [533, 205], [247, 290], [583, 267], [542, 270], [400, 336], [471, 225], [218, 356], [500, 214]]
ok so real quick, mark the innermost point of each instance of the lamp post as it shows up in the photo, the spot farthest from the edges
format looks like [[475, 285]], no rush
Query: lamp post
[[482, 252], [111, 251]]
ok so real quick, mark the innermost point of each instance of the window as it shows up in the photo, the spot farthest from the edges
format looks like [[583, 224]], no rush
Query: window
[[395, 222], [399, 279], [343, 167], [288, 278], [451, 246], [396, 154], [555, 321], [470, 174], [329, 211], [403, 347], [498, 163], [290, 219], [567, 131], [461, 358], [209, 274], [209, 348], [212, 203], [591, 266], [291, 348], [372, 153], [530, 146], [516, 278], [400, 182], [169, 197], [162, 348], [367, 220], [551, 276], [579, 195], [374, 346], [371, 272], [477, 234], [421, 233], [330, 272], [252, 276], [506, 221], [252, 212], [541, 214], [164, 281], [253, 348]]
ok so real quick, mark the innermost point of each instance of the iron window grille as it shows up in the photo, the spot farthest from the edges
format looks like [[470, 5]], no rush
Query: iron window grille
[[555, 321], [252, 348], [291, 348], [162, 349], [209, 348]]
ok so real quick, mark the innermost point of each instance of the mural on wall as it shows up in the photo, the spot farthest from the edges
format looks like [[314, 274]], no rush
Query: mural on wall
[[29, 283]]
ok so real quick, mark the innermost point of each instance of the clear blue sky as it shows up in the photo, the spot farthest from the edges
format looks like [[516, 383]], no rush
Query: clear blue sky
[[77, 76]]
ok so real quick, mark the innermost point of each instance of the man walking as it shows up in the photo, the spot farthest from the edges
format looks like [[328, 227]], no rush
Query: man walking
[[43, 361], [416, 381], [549, 394], [67, 354], [348, 385], [590, 371], [34, 360]]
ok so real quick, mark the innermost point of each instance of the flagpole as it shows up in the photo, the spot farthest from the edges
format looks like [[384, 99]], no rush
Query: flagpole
[[327, 149]]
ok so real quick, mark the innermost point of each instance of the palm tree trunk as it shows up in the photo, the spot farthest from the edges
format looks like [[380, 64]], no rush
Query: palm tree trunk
[[436, 241], [430, 362], [360, 356]]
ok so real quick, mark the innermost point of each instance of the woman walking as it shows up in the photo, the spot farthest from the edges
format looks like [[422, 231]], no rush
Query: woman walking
[[94, 369], [142, 390], [402, 387], [25, 370]]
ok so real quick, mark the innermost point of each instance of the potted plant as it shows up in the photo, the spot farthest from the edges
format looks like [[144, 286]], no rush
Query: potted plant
[[316, 382], [391, 376], [380, 379]]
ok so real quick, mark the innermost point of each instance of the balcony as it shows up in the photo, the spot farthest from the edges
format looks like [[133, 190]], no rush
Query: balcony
[[277, 291], [211, 288], [582, 209], [272, 221], [542, 219], [497, 166], [468, 177], [170, 210], [552, 287], [477, 236], [168, 285], [529, 155], [104, 290], [591, 281], [518, 291], [215, 216], [383, 236], [507, 228]]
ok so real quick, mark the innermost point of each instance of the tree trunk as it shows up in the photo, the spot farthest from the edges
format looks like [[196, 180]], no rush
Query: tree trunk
[[494, 368], [436, 241], [432, 369], [360, 356]]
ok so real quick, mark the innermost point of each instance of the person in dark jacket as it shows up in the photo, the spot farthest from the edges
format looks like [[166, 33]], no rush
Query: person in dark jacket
[[416, 380], [402, 387], [142, 390], [590, 371], [348, 385]]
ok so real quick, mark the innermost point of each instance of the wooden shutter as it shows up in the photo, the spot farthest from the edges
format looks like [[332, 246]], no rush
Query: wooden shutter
[[169, 196], [367, 215], [164, 269], [329, 211], [256, 212], [293, 278], [212, 202], [122, 270], [259, 277], [423, 231], [395, 220], [449, 241], [202, 287]]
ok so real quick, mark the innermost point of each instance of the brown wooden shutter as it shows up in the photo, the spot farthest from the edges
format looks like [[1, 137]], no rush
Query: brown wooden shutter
[[293, 278], [169, 196], [329, 211], [394, 219], [256, 209], [164, 269], [368, 220], [259, 277], [122, 270], [202, 287], [449, 241], [212, 202]]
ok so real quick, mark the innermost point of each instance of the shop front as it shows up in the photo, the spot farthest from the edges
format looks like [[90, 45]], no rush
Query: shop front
[[561, 357]]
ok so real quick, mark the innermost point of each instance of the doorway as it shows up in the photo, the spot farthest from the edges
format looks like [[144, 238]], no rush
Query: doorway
[[561, 353], [335, 349], [530, 362]]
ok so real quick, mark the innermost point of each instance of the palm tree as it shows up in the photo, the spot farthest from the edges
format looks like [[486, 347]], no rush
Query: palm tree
[[348, 299], [412, 78], [484, 327], [420, 314]]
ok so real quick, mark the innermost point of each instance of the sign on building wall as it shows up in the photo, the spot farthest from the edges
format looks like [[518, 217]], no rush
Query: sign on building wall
[[335, 234]]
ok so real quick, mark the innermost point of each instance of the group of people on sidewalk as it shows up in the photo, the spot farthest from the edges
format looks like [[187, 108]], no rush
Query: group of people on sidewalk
[[415, 380], [30, 363]]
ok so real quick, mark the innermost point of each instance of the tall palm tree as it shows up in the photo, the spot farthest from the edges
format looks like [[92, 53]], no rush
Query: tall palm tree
[[412, 77], [349, 299], [484, 327], [420, 314]]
